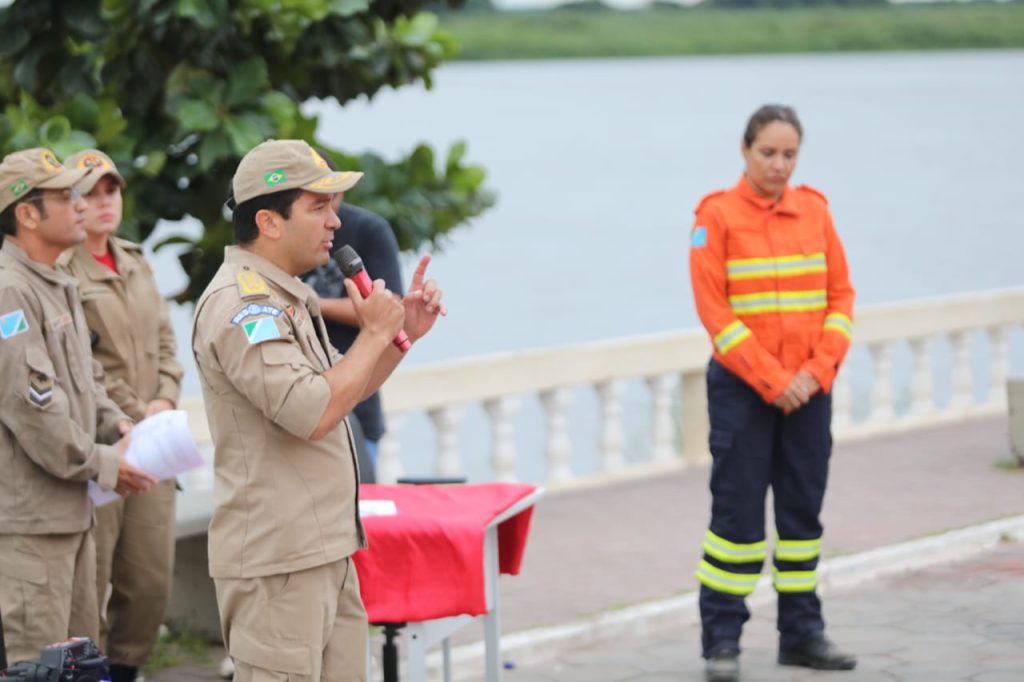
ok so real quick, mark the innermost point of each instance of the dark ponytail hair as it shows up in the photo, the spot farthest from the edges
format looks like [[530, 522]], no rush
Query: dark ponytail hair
[[769, 113]]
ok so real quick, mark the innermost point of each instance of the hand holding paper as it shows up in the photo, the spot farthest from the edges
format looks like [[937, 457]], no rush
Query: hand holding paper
[[130, 479], [158, 448]]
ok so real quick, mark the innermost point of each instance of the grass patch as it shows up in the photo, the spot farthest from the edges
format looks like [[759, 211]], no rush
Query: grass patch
[[1010, 465], [660, 31], [179, 648]]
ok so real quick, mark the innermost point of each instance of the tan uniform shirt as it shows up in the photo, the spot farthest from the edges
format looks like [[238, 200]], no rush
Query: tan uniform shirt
[[282, 503], [134, 340], [51, 409]]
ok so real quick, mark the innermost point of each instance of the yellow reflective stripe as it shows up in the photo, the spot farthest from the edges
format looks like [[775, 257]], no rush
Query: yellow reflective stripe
[[797, 550], [740, 584], [731, 336], [838, 322], [794, 581], [734, 552], [779, 301], [780, 266]]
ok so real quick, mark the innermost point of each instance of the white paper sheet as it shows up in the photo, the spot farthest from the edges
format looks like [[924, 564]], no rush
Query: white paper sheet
[[160, 445], [377, 508]]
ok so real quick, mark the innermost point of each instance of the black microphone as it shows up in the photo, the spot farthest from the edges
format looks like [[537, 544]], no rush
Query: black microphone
[[352, 267]]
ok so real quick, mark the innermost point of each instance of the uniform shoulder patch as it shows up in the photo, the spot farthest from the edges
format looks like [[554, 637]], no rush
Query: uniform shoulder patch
[[810, 190], [699, 237], [251, 285], [261, 329], [707, 197], [254, 309], [40, 389], [13, 323]]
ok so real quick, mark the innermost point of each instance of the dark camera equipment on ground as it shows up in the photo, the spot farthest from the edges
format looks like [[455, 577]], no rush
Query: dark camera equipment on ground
[[73, 660]]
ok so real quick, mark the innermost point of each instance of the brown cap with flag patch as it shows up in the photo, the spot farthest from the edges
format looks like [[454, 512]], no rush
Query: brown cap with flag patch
[[278, 165], [101, 165], [24, 171]]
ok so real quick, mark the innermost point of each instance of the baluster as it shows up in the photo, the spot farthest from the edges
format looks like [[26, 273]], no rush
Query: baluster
[[559, 447], [610, 393], [503, 436], [999, 338], [389, 463], [446, 423], [922, 387], [961, 382], [660, 387], [842, 401], [881, 407], [694, 397]]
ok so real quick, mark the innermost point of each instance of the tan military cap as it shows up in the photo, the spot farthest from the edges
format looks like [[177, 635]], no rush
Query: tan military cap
[[101, 165], [277, 165], [24, 171]]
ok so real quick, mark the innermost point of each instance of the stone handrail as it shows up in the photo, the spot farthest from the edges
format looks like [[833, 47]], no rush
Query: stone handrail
[[672, 368]]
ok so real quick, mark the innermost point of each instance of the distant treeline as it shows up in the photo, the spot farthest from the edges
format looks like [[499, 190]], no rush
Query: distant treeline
[[600, 5], [591, 29]]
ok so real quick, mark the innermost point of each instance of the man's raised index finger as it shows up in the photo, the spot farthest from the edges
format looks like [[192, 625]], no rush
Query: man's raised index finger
[[421, 273]]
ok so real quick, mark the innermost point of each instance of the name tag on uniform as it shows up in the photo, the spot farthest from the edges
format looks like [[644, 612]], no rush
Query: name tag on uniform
[[55, 323]]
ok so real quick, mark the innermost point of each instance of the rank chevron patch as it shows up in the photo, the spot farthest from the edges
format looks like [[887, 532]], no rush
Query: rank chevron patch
[[40, 389]]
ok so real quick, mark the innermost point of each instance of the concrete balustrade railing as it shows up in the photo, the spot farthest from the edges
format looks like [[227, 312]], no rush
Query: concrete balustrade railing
[[671, 367]]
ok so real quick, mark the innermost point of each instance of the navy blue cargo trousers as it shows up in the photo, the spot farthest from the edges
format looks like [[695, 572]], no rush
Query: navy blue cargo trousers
[[755, 446]]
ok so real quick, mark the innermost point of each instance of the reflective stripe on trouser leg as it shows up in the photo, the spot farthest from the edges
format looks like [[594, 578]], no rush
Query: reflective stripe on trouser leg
[[794, 581], [797, 550], [730, 582]]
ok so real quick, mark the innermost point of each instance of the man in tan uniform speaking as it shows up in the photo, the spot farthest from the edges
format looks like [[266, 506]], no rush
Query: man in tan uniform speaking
[[54, 417], [285, 520]]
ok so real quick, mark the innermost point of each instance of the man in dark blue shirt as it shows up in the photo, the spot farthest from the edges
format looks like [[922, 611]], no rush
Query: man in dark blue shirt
[[372, 238]]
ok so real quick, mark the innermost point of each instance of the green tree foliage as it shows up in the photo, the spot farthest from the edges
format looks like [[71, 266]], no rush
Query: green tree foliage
[[176, 91], [785, 4]]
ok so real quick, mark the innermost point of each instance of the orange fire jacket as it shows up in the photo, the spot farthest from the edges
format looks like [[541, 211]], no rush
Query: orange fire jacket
[[771, 285]]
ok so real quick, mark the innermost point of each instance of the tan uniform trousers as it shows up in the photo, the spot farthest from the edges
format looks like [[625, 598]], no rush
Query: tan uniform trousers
[[47, 591], [307, 625], [134, 565]]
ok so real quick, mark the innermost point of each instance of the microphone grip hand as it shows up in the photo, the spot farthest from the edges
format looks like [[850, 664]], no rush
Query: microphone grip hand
[[363, 283]]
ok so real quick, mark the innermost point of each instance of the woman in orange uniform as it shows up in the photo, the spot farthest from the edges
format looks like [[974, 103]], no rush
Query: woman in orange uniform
[[772, 288]]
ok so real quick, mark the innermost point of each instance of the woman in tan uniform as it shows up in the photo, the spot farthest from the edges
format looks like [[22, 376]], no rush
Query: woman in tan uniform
[[133, 340]]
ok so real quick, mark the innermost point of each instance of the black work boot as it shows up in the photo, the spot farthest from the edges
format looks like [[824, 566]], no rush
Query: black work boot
[[123, 673], [818, 653], [723, 666]]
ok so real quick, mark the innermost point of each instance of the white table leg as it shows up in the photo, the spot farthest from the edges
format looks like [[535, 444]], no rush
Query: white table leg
[[416, 656], [492, 619]]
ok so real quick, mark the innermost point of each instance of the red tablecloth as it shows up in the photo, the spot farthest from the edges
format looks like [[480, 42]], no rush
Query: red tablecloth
[[427, 560]]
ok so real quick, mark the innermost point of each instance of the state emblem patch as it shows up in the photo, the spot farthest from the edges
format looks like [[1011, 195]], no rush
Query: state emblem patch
[[263, 329], [12, 324]]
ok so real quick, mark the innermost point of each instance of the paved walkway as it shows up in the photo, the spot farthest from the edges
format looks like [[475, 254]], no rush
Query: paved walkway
[[600, 549], [605, 548], [955, 622]]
